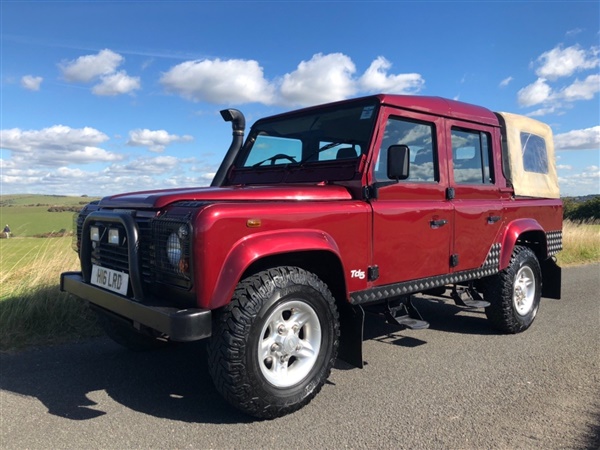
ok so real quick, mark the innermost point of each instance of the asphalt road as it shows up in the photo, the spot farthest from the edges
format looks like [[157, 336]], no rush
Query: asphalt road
[[455, 385]]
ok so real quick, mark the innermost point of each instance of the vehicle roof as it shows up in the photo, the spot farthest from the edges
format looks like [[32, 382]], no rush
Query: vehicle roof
[[440, 106], [433, 105]]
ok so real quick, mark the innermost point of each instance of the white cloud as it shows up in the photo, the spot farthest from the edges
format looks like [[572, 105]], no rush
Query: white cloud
[[116, 84], [85, 68], [376, 79], [155, 140], [581, 90], [143, 166], [581, 183], [322, 79], [544, 111], [560, 63], [506, 81], [564, 167], [563, 62], [535, 93], [56, 145], [140, 174], [541, 92], [574, 32], [216, 81], [31, 83], [585, 139], [103, 67]]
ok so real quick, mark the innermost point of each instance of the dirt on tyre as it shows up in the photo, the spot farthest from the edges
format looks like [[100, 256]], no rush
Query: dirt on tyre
[[273, 346], [514, 293]]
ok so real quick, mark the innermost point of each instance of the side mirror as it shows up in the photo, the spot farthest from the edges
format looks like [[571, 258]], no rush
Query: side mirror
[[398, 162]]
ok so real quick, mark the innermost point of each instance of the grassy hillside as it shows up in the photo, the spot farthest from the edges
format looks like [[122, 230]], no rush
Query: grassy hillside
[[27, 215]]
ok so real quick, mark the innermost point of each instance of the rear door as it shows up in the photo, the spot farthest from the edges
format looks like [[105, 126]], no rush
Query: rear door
[[412, 220], [478, 213]]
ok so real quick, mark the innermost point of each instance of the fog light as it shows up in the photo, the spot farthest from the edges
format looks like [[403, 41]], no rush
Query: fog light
[[113, 236], [95, 234]]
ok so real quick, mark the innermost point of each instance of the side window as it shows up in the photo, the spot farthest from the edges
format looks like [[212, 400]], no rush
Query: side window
[[471, 157], [535, 156], [419, 137]]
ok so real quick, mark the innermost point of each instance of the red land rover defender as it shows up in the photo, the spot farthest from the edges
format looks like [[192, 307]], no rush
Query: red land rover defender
[[320, 215]]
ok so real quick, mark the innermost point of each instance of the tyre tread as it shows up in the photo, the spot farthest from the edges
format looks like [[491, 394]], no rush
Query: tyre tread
[[231, 329]]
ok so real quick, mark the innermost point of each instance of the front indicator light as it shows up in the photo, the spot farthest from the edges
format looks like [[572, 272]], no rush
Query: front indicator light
[[95, 234], [184, 265]]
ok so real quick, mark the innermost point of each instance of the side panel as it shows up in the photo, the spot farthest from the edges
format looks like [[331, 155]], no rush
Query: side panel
[[539, 220], [225, 243]]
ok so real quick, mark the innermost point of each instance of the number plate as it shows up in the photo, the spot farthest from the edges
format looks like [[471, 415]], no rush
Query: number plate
[[110, 279]]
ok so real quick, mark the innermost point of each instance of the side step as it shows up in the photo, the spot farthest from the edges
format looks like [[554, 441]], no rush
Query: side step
[[405, 315], [468, 297]]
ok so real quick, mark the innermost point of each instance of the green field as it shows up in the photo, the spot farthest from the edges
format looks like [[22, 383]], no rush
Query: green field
[[27, 215]]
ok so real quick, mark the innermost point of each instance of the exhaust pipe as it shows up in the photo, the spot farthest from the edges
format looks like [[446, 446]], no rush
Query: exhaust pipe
[[238, 124]]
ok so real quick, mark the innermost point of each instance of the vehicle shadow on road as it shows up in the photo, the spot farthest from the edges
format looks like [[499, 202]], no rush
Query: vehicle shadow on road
[[172, 383], [442, 315]]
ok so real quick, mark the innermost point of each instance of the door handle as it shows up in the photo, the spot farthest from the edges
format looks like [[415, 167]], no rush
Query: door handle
[[493, 219], [437, 223]]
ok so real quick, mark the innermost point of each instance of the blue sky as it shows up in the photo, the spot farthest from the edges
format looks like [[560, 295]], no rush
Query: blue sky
[[106, 97]]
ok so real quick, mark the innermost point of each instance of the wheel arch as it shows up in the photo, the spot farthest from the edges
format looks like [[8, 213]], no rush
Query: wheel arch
[[311, 250], [525, 232]]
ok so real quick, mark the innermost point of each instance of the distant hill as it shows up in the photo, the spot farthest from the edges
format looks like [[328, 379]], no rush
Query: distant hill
[[31, 215], [581, 198]]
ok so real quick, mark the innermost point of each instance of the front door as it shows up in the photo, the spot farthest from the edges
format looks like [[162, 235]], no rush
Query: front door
[[412, 220]]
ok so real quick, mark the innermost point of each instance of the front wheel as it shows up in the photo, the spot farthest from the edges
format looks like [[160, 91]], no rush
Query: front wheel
[[514, 293], [274, 345]]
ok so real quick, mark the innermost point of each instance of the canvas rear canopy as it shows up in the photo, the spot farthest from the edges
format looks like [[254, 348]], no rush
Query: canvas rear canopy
[[530, 156]]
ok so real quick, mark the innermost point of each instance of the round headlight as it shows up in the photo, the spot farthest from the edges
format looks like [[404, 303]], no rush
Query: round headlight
[[174, 249]]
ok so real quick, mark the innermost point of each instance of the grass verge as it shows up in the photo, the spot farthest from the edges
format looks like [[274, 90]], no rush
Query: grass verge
[[33, 311], [581, 243]]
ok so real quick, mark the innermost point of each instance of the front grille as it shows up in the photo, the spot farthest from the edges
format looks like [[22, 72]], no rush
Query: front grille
[[108, 255], [164, 249]]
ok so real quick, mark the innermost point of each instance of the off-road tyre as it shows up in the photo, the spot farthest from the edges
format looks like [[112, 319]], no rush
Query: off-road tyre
[[273, 346], [127, 336], [514, 293]]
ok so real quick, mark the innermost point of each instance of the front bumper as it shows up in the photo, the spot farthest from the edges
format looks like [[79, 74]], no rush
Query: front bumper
[[179, 324]]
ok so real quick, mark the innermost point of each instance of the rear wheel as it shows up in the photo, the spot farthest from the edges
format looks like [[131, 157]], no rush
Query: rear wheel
[[514, 293], [274, 345]]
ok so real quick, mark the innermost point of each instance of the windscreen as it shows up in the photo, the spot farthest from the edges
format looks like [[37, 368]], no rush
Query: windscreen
[[338, 133]]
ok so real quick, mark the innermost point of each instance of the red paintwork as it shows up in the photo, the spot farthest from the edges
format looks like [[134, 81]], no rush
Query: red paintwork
[[161, 198], [393, 232], [224, 246]]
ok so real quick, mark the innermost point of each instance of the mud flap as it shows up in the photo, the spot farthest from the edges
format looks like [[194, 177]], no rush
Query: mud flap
[[352, 320], [551, 279]]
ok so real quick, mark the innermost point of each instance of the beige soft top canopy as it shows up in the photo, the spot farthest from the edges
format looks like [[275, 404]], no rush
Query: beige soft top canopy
[[531, 161]]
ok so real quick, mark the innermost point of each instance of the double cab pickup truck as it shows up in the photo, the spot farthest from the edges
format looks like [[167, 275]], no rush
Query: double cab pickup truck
[[318, 216]]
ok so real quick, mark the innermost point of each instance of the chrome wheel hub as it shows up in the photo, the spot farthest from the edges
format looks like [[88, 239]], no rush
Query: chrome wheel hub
[[524, 291], [290, 344]]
